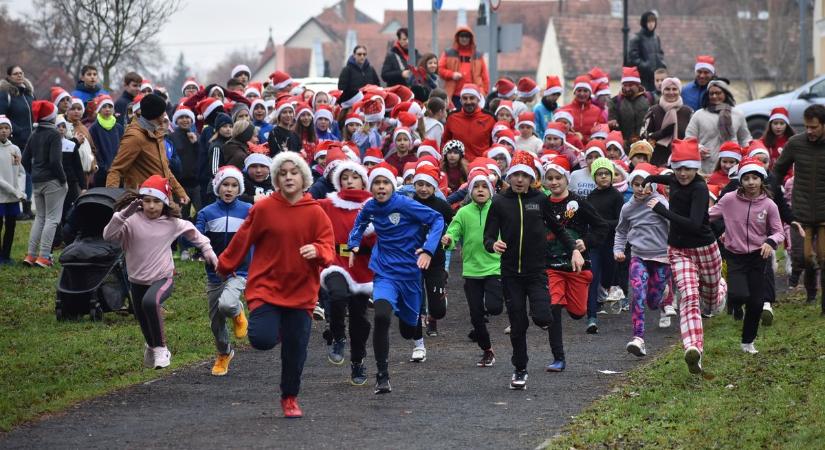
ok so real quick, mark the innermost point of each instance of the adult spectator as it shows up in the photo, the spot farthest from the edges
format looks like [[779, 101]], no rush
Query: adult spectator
[[470, 125], [626, 111], [131, 88], [142, 151], [716, 123], [463, 64], [805, 153], [16, 97], [397, 69], [693, 92], [585, 114], [645, 51], [88, 86], [358, 72], [666, 121]]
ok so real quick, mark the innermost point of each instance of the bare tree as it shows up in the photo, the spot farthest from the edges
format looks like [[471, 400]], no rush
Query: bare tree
[[220, 72], [103, 32]]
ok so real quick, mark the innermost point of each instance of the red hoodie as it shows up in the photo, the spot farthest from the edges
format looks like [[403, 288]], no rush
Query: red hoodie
[[474, 130], [278, 274], [585, 115]]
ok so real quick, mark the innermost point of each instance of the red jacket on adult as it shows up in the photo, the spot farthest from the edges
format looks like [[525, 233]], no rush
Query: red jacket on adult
[[342, 208], [465, 60], [278, 274], [474, 130], [585, 115]]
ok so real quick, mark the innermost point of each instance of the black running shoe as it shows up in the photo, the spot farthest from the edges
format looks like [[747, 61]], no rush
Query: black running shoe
[[519, 380], [432, 327], [382, 383], [359, 374], [487, 360]]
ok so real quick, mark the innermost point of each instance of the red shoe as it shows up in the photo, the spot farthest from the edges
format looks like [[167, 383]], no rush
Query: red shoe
[[43, 262], [29, 260], [291, 408]]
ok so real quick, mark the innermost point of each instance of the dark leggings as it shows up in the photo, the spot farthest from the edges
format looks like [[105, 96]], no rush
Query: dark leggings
[[434, 281], [146, 301], [270, 325], [342, 300], [746, 286], [9, 223], [381, 335], [518, 291], [484, 297]]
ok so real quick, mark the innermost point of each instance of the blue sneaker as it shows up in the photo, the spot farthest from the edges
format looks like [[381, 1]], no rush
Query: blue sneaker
[[557, 365]]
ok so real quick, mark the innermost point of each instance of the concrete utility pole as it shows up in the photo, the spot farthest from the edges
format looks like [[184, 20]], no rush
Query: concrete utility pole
[[625, 34], [492, 23], [411, 32], [803, 42]]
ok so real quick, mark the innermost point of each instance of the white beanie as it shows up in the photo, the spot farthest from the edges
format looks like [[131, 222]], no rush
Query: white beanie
[[257, 158], [224, 173], [294, 158], [5, 121]]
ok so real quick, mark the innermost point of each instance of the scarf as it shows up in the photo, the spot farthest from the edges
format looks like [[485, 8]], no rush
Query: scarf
[[621, 186], [725, 121], [671, 117], [148, 126], [404, 53], [107, 124]]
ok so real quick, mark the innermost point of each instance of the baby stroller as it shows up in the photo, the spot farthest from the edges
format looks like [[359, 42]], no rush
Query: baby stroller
[[93, 274]]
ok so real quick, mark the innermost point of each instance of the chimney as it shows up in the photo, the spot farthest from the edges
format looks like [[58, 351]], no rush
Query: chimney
[[349, 11]]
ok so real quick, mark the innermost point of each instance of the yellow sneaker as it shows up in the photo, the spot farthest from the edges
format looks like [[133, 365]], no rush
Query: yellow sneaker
[[221, 366], [241, 325]]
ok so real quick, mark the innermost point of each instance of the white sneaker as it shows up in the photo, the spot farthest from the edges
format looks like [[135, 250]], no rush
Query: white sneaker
[[670, 311], [615, 293], [636, 347], [664, 321], [693, 358], [419, 354], [184, 255], [507, 330], [148, 357], [767, 314], [318, 313], [162, 357], [749, 348]]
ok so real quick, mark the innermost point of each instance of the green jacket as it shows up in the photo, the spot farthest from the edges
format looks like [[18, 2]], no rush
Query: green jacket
[[468, 226]]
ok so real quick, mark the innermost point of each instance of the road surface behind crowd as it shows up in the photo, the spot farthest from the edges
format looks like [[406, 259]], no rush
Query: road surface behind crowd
[[445, 402]]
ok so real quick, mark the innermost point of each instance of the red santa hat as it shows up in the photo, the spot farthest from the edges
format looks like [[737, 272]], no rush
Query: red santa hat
[[354, 117], [508, 136], [595, 146], [77, 101], [631, 75], [547, 155], [136, 103], [480, 174], [559, 164], [240, 68], [373, 155], [757, 147], [347, 165], [504, 104], [498, 127], [251, 91], [409, 170], [472, 89], [383, 170], [299, 162], [505, 88], [351, 99], [601, 89], [526, 118], [685, 153], [190, 81], [207, 106], [600, 131], [643, 170], [778, 113], [752, 165], [556, 129], [224, 173], [498, 150], [283, 105], [403, 92], [527, 87], [563, 114], [616, 139], [391, 100], [182, 111], [101, 101], [323, 112], [407, 119], [427, 174], [428, 147], [158, 187], [280, 80], [705, 62], [428, 160], [146, 84], [58, 94], [523, 162], [730, 149], [257, 158], [373, 109], [714, 190], [583, 82], [620, 166], [43, 111], [490, 164], [598, 75], [301, 108], [552, 86], [402, 130]]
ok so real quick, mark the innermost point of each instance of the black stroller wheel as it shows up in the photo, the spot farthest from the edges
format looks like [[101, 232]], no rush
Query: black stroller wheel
[[96, 314]]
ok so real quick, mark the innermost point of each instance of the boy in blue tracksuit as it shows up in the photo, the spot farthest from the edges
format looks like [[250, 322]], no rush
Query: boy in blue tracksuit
[[397, 259], [219, 222]]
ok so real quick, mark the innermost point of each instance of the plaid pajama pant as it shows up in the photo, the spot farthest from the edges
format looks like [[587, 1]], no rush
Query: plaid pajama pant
[[697, 273]]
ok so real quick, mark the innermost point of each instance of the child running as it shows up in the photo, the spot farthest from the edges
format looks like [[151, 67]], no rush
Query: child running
[[753, 229], [481, 270], [399, 256], [692, 250], [284, 274], [219, 222], [649, 271], [518, 219], [146, 225]]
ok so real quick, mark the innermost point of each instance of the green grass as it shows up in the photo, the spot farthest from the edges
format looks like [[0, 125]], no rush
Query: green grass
[[775, 399], [49, 365]]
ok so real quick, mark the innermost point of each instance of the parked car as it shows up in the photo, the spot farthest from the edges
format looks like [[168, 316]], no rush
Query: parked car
[[316, 84], [757, 111]]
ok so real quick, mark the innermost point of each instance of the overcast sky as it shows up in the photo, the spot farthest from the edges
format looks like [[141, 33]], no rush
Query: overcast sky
[[202, 32]]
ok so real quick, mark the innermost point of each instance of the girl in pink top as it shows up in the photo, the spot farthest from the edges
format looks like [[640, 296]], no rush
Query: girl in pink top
[[145, 226]]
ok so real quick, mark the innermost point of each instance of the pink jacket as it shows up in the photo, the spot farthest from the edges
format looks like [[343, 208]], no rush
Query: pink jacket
[[749, 223]]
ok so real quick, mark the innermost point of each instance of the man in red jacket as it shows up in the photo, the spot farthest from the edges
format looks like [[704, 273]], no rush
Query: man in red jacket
[[585, 114], [472, 126]]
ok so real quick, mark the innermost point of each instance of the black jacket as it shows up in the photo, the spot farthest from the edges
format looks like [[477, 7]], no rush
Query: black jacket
[[188, 154], [688, 213], [645, 52], [16, 104], [608, 202], [353, 77], [43, 156], [121, 105], [580, 219], [437, 204], [394, 64], [522, 221], [72, 166], [251, 188], [281, 139]]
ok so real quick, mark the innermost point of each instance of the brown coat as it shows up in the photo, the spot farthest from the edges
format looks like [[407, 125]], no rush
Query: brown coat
[[140, 156]]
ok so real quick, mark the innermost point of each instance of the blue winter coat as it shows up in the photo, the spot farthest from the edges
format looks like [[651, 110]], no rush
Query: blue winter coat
[[86, 93], [692, 95], [219, 222]]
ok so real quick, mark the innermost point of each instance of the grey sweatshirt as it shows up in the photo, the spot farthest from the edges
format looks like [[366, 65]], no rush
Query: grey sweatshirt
[[645, 230]]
